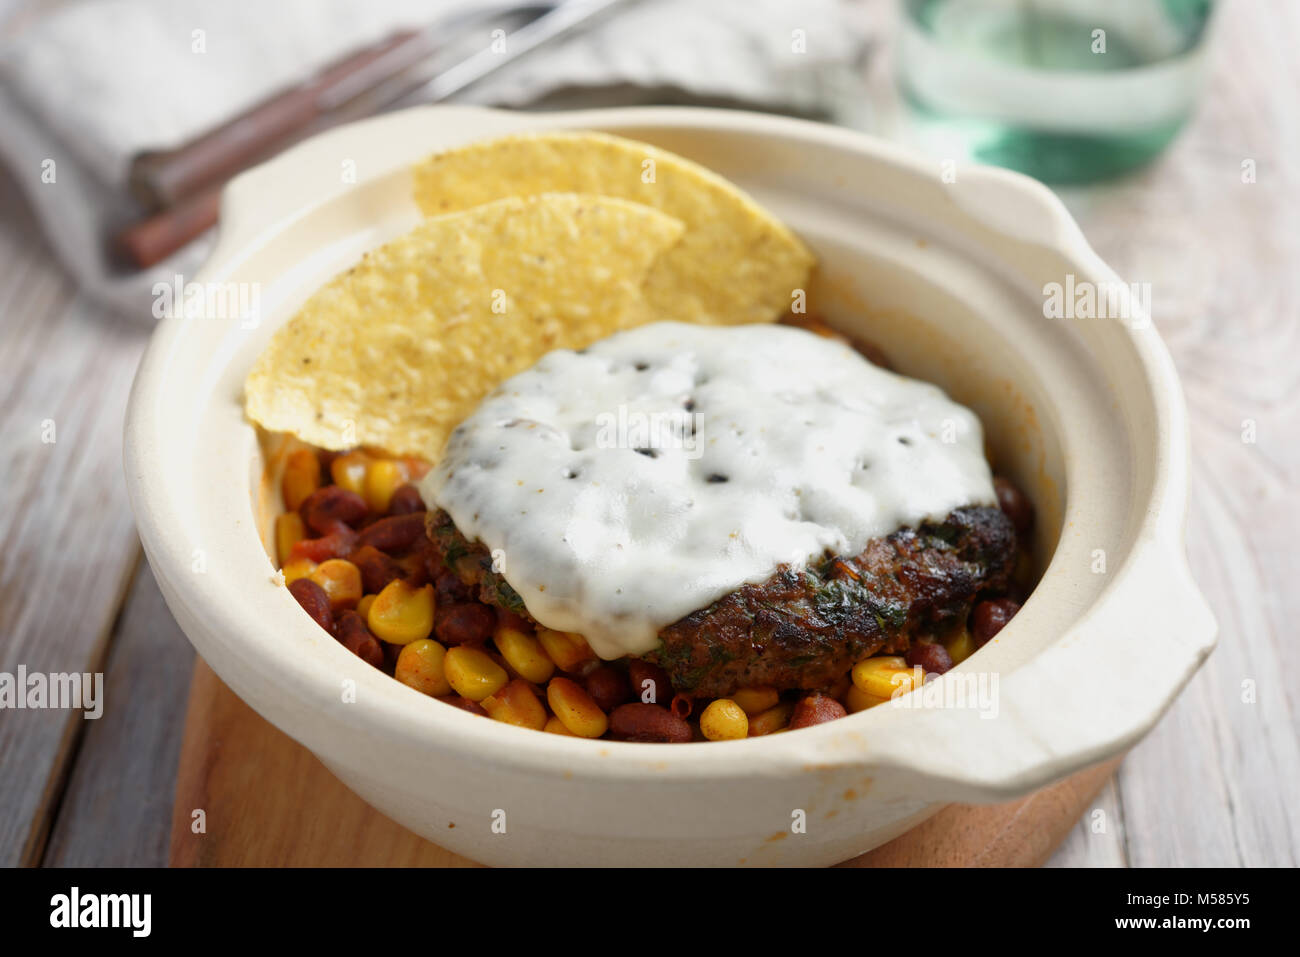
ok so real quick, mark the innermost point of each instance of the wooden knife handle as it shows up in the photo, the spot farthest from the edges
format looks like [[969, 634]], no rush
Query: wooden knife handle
[[160, 179], [152, 240]]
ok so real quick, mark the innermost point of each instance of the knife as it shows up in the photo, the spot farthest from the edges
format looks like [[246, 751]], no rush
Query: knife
[[183, 186]]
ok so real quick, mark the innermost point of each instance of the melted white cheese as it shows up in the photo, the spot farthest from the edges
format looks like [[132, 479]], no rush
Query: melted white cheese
[[760, 445]]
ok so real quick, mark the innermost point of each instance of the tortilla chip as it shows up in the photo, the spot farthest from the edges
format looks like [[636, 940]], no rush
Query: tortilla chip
[[736, 262], [397, 351]]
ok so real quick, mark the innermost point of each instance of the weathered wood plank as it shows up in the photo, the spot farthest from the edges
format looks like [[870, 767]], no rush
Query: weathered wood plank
[[117, 809], [1212, 785], [69, 539]]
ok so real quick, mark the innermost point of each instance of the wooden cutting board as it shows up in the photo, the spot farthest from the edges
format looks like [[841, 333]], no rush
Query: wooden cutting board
[[267, 801]]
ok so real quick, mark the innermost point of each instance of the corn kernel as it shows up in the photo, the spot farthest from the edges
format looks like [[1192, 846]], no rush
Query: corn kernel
[[383, 478], [301, 478], [363, 606], [577, 709], [555, 726], [472, 672], [524, 654], [724, 720], [289, 530], [297, 568], [858, 700], [756, 700], [517, 704], [566, 649], [886, 676], [772, 720], [341, 581], [349, 471], [960, 646], [401, 614], [420, 666]]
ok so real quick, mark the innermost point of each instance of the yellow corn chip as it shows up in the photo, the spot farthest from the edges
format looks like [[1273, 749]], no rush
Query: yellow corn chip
[[736, 262], [397, 351]]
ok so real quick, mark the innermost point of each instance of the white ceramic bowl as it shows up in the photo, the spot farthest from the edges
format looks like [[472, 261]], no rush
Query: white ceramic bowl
[[947, 277]]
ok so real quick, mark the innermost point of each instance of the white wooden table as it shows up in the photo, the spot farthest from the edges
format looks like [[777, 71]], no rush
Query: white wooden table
[[1214, 784]]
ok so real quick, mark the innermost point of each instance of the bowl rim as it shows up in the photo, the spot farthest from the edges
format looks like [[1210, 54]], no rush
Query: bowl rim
[[245, 226]]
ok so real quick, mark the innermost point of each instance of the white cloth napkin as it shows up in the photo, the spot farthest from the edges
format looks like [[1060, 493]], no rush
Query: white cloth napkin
[[85, 89]]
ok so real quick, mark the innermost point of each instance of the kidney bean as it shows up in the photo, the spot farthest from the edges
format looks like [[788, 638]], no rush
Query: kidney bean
[[508, 619], [449, 589], [608, 687], [395, 533], [648, 722], [465, 623], [931, 656], [658, 690], [337, 544], [331, 506], [405, 501], [456, 701], [816, 709], [990, 617], [377, 569], [314, 601], [432, 560], [355, 636], [1015, 504], [583, 668]]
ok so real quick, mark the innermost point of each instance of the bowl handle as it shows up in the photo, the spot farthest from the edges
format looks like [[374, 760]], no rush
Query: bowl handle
[[1093, 694]]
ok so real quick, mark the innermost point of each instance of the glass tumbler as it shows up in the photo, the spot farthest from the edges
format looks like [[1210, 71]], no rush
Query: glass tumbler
[[1067, 91]]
